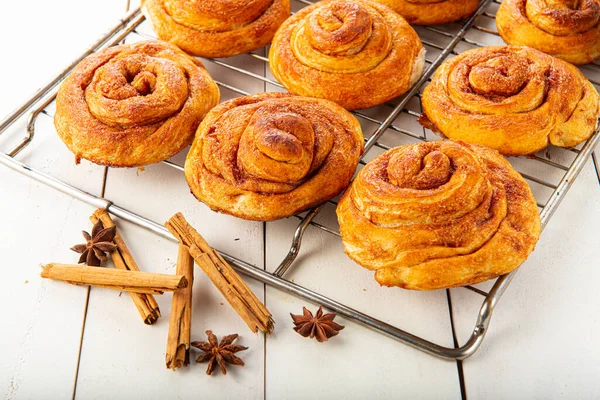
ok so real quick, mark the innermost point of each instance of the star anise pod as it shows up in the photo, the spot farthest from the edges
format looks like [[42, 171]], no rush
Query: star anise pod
[[318, 326], [219, 353], [99, 242]]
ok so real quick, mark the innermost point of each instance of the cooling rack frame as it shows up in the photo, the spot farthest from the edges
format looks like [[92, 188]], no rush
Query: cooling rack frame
[[45, 96]]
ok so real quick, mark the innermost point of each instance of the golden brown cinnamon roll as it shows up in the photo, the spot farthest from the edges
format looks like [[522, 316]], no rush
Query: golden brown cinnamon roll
[[271, 155], [133, 104], [432, 12], [514, 99], [357, 53], [438, 215], [216, 28], [568, 29]]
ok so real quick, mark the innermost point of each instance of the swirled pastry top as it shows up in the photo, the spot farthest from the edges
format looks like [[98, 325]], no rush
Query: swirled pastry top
[[438, 215], [514, 99], [271, 155], [133, 104], [216, 28], [568, 29], [357, 53], [432, 12]]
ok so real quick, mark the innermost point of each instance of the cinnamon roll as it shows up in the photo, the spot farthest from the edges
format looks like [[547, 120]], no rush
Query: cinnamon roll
[[134, 104], [433, 12], [271, 155], [514, 99], [567, 29], [216, 28], [357, 53], [438, 215]]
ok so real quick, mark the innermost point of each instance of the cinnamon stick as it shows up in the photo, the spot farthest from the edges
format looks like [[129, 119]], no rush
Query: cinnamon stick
[[178, 341], [121, 257], [229, 283], [129, 281]]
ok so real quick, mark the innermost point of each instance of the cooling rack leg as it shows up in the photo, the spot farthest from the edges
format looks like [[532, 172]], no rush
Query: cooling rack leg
[[296, 242]]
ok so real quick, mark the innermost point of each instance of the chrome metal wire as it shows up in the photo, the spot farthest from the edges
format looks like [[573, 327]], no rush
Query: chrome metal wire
[[441, 42]]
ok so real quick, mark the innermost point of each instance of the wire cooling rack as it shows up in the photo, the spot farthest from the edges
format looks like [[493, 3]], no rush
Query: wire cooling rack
[[550, 173]]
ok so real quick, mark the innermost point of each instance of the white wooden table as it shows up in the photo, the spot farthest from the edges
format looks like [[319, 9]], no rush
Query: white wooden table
[[56, 342]]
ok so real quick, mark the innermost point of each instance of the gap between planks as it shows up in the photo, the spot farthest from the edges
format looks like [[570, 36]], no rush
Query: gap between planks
[[264, 232], [596, 164], [87, 300], [459, 363], [87, 297]]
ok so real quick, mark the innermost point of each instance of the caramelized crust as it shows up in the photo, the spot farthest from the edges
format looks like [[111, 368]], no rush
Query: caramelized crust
[[134, 104], [516, 100], [271, 155], [433, 12], [216, 28], [357, 53], [567, 29], [438, 215]]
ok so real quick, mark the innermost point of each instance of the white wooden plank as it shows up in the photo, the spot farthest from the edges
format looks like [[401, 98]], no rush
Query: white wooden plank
[[543, 340], [39, 339], [358, 363], [40, 343]]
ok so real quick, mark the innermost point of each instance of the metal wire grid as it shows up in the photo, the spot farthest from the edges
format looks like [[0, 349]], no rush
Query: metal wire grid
[[550, 173]]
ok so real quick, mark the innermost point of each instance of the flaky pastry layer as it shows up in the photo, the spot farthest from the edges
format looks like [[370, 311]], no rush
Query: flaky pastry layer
[[516, 100], [433, 12], [357, 53], [271, 155], [134, 104], [566, 29], [437, 215], [216, 28]]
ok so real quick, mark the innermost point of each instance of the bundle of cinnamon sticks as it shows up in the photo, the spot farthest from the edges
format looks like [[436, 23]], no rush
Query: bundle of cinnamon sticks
[[142, 286], [223, 276], [193, 247]]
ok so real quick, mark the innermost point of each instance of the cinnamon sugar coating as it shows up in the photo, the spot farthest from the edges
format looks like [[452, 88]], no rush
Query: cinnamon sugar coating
[[271, 155], [433, 12], [516, 100], [357, 53], [437, 215], [567, 29], [134, 104], [216, 28]]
